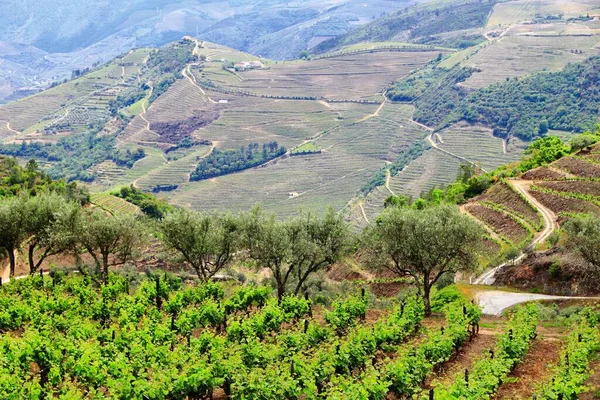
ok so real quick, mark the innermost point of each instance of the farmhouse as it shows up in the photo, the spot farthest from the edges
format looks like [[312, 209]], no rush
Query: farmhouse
[[245, 65]]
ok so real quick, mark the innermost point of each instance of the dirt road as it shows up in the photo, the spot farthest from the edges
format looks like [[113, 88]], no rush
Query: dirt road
[[550, 225]]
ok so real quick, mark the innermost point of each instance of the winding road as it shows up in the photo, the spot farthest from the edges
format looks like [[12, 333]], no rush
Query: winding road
[[550, 225]]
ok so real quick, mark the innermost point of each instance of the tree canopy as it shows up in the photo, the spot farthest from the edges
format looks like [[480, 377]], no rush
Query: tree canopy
[[294, 249], [423, 244]]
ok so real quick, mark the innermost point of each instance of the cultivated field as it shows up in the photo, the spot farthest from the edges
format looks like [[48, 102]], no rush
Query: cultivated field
[[510, 12], [352, 77], [113, 204], [517, 56], [75, 104], [476, 144], [312, 182]]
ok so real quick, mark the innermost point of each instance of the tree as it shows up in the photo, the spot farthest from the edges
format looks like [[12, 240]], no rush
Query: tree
[[207, 242], [12, 232], [584, 237], [423, 244], [296, 248], [543, 151], [111, 241], [49, 222], [580, 142], [543, 127]]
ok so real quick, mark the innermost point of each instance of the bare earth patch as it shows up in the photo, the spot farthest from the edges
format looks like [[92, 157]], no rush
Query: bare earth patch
[[532, 371], [500, 222], [562, 204], [542, 174]]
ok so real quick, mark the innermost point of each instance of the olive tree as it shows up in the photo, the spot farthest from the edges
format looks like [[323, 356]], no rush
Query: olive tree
[[584, 237], [423, 244], [294, 249], [12, 231], [50, 221], [207, 242], [109, 240]]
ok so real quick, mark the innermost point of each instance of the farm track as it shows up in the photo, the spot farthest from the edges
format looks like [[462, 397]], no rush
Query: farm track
[[11, 129], [437, 147], [388, 178], [364, 214], [549, 226], [534, 368]]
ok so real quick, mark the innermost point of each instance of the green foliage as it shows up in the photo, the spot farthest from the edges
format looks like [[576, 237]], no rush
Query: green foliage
[[580, 142], [72, 156], [567, 100], [434, 91], [573, 370], [222, 162], [584, 237], [295, 249], [543, 151], [29, 181], [422, 244], [207, 242], [173, 58], [109, 240], [345, 313], [462, 41], [410, 367], [102, 339], [487, 373], [443, 297], [150, 205]]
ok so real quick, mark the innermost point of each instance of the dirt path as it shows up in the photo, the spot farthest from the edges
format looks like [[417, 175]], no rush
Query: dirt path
[[190, 77], [364, 214], [421, 125], [533, 370], [550, 225], [435, 146], [467, 355], [9, 128], [5, 275], [388, 178]]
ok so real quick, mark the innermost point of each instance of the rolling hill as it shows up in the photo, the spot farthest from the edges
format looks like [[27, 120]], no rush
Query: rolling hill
[[358, 123]]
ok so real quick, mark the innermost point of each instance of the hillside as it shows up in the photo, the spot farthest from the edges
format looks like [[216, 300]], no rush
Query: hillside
[[43, 43], [418, 24], [567, 188], [154, 118]]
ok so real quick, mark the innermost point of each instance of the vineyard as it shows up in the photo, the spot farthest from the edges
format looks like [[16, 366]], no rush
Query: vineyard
[[113, 204], [161, 339]]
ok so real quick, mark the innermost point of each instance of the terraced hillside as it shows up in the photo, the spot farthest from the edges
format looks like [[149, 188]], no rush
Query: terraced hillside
[[563, 189], [162, 111]]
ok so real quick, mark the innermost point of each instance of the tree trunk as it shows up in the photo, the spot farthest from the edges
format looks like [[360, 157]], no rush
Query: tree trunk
[[13, 262], [105, 267], [30, 252], [280, 292], [426, 300]]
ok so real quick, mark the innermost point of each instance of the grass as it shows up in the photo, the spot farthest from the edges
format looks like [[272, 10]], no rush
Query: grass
[[309, 147]]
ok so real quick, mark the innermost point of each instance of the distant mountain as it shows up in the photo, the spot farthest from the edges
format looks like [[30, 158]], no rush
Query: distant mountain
[[44, 41], [415, 24]]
